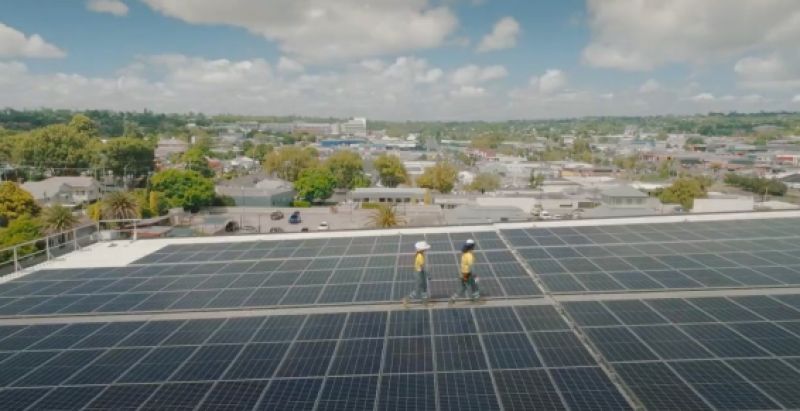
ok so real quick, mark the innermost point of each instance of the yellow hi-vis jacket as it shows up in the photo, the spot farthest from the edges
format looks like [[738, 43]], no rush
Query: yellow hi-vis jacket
[[467, 260], [419, 262]]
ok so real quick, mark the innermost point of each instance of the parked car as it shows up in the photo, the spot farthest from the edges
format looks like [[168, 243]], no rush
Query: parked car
[[248, 229], [275, 230], [304, 230], [323, 226], [295, 218], [276, 215]]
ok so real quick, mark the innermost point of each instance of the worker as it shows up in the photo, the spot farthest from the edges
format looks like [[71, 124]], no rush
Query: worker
[[467, 276], [421, 292]]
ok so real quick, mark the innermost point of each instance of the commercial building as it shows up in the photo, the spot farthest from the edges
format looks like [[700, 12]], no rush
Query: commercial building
[[391, 195], [168, 147], [354, 127]]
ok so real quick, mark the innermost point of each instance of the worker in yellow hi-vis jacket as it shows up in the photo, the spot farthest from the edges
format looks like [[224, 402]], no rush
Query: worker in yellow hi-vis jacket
[[467, 276], [421, 292]]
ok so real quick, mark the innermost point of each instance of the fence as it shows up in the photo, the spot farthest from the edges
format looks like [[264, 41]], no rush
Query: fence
[[30, 253]]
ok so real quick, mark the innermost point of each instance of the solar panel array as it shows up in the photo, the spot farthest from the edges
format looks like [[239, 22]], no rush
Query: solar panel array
[[732, 350], [645, 257], [522, 358], [286, 273], [701, 353]]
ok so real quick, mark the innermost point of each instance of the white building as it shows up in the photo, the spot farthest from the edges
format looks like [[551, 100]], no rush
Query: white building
[[356, 127], [67, 191]]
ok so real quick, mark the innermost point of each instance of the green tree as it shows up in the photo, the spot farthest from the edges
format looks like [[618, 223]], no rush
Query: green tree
[[385, 216], [484, 182], [347, 167], [259, 151], [15, 202], [683, 191], [441, 177], [21, 230], [57, 218], [119, 205], [535, 180], [315, 184], [59, 148], [132, 130], [156, 204], [84, 125], [126, 156], [183, 188], [195, 160], [391, 171], [287, 162]]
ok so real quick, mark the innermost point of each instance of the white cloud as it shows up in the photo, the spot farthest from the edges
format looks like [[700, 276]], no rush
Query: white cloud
[[650, 86], [14, 43], [772, 72], [115, 7], [551, 81], [469, 91], [702, 97], [473, 74], [796, 99], [287, 65], [503, 36], [641, 35], [324, 30]]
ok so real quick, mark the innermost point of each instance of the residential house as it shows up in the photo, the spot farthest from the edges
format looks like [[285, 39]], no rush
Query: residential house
[[67, 191], [168, 147]]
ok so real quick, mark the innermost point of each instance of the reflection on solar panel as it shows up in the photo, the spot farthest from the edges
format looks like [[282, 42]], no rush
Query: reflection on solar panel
[[592, 344]]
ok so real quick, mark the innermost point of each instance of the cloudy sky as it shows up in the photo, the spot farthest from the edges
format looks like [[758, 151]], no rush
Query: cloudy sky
[[402, 59]]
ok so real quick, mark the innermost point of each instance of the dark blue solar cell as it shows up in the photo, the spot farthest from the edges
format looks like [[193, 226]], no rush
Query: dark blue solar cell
[[722, 387], [108, 367], [338, 293], [559, 349], [151, 334], [263, 297], [178, 396], [110, 335], [291, 395], [123, 397], [466, 391], [279, 328], [349, 393], [405, 355], [66, 337], [158, 365], [23, 363], [257, 361], [365, 325], [194, 332], [207, 363], [409, 323], [322, 327], [497, 319], [540, 318], [588, 388], [302, 295], [453, 321], [234, 395], [236, 330], [527, 390], [20, 399], [68, 398], [307, 359], [357, 357], [459, 353], [407, 392], [510, 351], [59, 369]]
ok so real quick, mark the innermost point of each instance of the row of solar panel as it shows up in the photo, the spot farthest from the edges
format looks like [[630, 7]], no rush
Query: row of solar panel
[[456, 358], [376, 262], [251, 297], [685, 231], [759, 247], [343, 245], [701, 353], [578, 388]]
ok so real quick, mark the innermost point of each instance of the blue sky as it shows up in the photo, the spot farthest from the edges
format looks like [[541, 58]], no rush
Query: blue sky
[[402, 59]]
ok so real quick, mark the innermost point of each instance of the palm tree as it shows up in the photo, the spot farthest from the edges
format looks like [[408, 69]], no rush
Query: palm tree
[[119, 205], [58, 219], [385, 216]]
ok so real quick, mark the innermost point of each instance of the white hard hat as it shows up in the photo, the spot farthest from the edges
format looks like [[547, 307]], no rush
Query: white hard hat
[[470, 242], [422, 246]]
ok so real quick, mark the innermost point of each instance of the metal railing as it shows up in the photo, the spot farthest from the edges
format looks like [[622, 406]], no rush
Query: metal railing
[[30, 253]]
